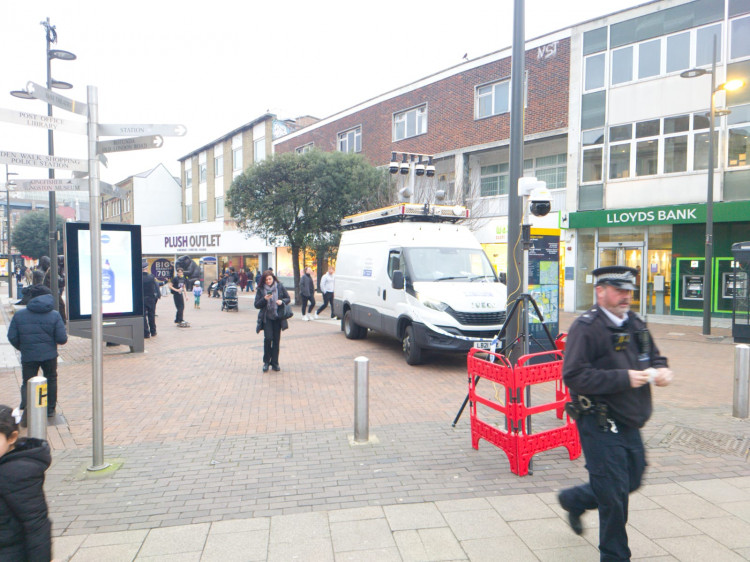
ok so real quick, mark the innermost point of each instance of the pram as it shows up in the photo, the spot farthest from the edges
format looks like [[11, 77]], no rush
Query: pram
[[229, 297]]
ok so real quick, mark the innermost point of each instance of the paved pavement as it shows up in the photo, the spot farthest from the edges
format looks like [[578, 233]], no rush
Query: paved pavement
[[218, 460]]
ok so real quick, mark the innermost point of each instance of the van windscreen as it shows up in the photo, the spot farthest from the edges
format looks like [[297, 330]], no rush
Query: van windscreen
[[449, 264]]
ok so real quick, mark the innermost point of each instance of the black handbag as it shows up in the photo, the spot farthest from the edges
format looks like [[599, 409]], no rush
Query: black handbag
[[285, 311]]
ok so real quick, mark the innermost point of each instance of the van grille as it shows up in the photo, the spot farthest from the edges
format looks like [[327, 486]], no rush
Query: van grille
[[478, 318]]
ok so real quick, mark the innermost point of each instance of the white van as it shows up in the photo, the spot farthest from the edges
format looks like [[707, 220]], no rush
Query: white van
[[417, 278]]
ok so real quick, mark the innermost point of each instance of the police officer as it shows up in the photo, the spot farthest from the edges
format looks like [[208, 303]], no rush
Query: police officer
[[610, 363], [150, 294]]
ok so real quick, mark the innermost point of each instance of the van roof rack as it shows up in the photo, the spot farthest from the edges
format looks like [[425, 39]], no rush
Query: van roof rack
[[406, 212]]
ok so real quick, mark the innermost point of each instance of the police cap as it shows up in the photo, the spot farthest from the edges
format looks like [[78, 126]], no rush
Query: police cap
[[616, 275]]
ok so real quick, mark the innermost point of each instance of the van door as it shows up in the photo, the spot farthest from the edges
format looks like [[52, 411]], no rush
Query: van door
[[390, 297]]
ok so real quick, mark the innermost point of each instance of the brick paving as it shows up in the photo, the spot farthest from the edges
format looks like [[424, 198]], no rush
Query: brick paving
[[204, 436]]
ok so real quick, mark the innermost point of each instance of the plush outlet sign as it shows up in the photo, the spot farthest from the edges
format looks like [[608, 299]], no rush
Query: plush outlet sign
[[734, 211]]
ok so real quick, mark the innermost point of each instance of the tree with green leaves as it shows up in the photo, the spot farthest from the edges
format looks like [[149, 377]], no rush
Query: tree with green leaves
[[298, 200], [30, 236]]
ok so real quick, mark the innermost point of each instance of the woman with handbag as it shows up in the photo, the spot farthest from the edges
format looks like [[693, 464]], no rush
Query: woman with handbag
[[272, 302]]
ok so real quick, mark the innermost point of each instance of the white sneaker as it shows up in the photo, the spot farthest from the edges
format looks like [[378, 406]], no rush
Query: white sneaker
[[309, 317], [316, 316], [305, 318]]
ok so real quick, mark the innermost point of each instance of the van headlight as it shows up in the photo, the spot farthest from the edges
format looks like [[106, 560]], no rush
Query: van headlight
[[432, 303]]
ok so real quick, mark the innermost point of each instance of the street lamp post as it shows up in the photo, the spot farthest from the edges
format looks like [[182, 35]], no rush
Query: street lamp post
[[708, 268], [7, 226], [51, 37]]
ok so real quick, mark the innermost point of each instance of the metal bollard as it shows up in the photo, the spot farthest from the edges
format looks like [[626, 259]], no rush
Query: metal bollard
[[36, 407], [361, 400], [741, 381]]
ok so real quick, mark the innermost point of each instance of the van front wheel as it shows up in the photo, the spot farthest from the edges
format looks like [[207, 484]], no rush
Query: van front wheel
[[412, 352], [352, 330]]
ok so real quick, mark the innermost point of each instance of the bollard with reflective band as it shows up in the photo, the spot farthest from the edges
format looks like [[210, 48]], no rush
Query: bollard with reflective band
[[361, 399], [36, 406], [741, 381]]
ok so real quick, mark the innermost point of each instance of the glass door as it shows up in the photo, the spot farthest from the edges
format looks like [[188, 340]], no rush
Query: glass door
[[630, 255]]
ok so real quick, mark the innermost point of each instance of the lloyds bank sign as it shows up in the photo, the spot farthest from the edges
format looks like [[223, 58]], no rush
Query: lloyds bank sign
[[734, 211]]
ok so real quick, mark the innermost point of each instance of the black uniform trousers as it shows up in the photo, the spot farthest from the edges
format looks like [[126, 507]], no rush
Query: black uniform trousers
[[30, 369], [271, 341], [179, 303], [149, 317], [615, 462], [305, 301]]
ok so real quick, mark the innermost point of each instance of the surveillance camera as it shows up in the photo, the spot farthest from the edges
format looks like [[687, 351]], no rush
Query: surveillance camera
[[541, 208]]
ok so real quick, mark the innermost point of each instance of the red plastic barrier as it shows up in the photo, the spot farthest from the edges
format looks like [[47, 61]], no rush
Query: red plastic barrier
[[517, 444]]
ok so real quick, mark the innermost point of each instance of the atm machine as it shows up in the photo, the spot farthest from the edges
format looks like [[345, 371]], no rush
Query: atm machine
[[734, 285]]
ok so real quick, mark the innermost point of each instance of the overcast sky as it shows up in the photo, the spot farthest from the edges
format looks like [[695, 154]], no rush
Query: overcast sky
[[214, 66]]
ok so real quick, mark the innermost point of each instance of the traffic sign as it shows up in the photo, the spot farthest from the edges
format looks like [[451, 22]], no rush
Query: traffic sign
[[42, 161], [71, 184], [42, 93], [163, 130], [42, 121], [132, 143]]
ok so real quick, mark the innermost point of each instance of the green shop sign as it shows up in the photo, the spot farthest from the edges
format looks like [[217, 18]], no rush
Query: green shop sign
[[732, 211]]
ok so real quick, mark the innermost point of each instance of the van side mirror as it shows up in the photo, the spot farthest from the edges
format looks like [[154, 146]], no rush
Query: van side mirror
[[503, 278], [398, 279]]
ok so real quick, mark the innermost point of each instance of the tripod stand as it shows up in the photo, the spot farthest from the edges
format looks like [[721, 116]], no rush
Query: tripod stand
[[522, 306]]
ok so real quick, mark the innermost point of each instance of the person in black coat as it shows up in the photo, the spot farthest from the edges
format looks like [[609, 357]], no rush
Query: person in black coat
[[25, 528], [307, 293], [270, 295], [37, 331], [36, 289], [150, 296]]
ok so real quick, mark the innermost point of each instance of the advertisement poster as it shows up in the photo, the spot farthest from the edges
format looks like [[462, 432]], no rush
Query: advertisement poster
[[544, 275], [4, 267], [162, 269], [117, 283]]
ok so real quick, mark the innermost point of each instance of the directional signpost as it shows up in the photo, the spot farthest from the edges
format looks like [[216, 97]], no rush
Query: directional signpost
[[42, 121], [42, 161], [131, 143], [130, 130], [53, 98], [85, 176]]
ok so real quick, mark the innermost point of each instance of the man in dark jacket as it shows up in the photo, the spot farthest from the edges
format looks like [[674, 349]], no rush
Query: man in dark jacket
[[36, 289], [150, 296], [307, 293], [25, 528], [610, 363], [37, 331]]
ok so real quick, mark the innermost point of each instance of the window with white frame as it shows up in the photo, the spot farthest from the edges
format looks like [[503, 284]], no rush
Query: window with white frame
[[739, 130], [219, 206], [188, 213], [351, 140], [259, 150], [661, 56], [592, 142], [218, 166], [410, 123], [203, 210], [203, 172], [127, 202], [594, 72], [551, 169], [492, 99], [494, 180], [739, 46], [659, 146], [237, 159], [304, 148], [188, 177]]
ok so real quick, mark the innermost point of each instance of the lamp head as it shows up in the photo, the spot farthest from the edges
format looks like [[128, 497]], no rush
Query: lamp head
[[731, 85]]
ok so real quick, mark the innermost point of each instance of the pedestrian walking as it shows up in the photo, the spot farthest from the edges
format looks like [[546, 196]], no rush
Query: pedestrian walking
[[259, 279], [307, 293], [242, 280], [197, 292], [177, 286], [150, 296], [26, 531], [610, 363], [36, 331], [270, 295], [326, 287], [36, 289]]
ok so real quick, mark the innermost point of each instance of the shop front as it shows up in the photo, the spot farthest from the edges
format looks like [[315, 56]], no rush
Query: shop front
[[212, 249], [666, 245]]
